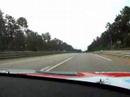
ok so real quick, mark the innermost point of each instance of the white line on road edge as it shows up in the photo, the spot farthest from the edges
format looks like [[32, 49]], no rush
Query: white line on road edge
[[103, 57], [59, 64], [43, 69]]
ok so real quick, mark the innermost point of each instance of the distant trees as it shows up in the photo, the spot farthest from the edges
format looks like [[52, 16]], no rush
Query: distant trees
[[16, 36], [117, 34]]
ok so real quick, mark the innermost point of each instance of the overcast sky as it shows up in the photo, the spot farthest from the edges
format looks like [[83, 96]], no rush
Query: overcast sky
[[76, 22]]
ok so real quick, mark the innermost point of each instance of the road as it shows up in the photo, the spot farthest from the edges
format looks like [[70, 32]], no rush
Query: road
[[69, 62]]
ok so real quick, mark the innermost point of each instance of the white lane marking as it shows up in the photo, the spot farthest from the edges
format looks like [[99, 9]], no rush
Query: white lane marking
[[59, 64], [45, 68], [103, 57]]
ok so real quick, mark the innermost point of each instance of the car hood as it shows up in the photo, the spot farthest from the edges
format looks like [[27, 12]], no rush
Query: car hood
[[118, 79]]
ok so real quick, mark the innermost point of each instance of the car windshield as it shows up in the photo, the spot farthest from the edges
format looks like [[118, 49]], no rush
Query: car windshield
[[65, 36]]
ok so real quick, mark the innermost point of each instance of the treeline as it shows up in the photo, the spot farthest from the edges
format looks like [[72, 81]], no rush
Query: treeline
[[117, 34], [16, 36]]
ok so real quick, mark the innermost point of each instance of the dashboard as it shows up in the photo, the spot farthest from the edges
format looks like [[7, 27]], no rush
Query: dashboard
[[23, 86]]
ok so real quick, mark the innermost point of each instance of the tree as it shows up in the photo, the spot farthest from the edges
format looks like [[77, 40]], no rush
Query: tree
[[34, 41], [2, 32], [30, 40], [15, 36], [22, 22], [11, 30], [46, 37], [19, 41], [117, 34]]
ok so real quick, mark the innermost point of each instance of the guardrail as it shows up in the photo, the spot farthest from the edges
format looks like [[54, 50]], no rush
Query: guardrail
[[18, 54]]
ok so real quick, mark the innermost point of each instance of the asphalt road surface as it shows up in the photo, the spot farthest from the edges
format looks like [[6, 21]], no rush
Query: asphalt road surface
[[69, 62]]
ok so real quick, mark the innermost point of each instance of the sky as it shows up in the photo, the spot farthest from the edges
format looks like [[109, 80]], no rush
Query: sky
[[76, 22]]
